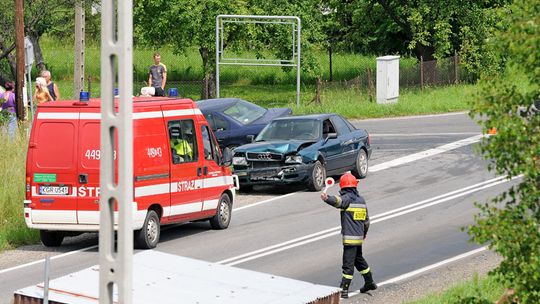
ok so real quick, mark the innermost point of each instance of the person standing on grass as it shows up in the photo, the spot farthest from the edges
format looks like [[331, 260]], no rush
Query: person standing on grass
[[157, 76], [9, 107], [53, 88], [354, 228], [42, 93]]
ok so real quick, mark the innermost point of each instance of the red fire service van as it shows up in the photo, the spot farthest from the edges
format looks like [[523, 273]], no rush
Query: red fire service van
[[180, 174]]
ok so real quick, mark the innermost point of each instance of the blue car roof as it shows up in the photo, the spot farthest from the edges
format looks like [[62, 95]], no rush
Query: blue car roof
[[216, 103], [310, 116]]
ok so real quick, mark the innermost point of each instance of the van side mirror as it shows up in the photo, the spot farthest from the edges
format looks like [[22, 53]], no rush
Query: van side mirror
[[226, 158], [250, 138]]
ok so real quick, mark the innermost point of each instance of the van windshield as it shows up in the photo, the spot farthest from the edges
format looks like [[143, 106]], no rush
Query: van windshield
[[295, 129], [245, 112]]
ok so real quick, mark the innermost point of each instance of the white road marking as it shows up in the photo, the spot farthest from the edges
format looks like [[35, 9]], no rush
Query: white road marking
[[425, 269], [425, 154], [421, 134], [411, 117], [374, 219], [52, 258], [265, 201]]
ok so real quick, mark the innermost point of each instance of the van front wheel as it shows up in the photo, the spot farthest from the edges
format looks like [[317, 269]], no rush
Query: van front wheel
[[148, 236], [51, 238], [223, 215]]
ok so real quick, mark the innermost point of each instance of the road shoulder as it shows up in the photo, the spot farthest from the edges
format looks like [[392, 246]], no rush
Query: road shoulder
[[434, 281]]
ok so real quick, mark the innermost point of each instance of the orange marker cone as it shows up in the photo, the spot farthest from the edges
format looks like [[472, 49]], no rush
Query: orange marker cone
[[492, 131]]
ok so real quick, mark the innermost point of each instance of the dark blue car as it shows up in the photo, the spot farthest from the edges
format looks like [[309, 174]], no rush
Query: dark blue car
[[236, 121], [303, 149]]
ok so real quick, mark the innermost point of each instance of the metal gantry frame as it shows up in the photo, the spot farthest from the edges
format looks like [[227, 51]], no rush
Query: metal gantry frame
[[294, 61], [116, 267]]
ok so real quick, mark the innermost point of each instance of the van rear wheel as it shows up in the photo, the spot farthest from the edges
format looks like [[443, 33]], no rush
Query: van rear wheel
[[51, 238], [223, 215], [148, 236]]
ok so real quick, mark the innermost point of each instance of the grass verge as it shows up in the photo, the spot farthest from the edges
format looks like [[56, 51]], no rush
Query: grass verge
[[484, 290], [13, 231]]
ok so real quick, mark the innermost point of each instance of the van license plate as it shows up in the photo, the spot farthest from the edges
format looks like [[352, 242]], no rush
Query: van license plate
[[53, 190]]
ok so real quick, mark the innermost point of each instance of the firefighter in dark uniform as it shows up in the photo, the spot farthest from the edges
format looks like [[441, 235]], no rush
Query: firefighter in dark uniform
[[354, 228]]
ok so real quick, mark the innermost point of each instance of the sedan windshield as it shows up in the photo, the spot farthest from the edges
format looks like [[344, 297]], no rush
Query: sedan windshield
[[245, 112], [299, 129]]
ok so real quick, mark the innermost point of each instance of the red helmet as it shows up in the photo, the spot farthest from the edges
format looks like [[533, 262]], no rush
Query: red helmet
[[348, 180]]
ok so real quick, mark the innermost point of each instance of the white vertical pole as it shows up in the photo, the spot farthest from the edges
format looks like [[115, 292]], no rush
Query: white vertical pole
[[116, 268], [218, 38], [298, 64]]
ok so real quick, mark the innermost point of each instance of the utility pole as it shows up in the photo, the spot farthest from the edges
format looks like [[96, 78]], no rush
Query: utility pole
[[78, 73], [19, 46]]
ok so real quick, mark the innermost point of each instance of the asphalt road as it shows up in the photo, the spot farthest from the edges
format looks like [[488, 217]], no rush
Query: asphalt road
[[417, 207]]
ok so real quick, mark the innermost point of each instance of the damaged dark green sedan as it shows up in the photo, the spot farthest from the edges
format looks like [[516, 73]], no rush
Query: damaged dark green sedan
[[303, 149]]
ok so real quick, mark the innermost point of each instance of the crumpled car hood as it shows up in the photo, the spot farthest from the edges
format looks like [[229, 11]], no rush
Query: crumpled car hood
[[284, 147]]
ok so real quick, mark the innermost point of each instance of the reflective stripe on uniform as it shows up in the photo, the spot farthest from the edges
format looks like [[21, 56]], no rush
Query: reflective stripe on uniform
[[364, 271], [347, 276], [354, 209], [357, 206], [338, 201], [352, 242]]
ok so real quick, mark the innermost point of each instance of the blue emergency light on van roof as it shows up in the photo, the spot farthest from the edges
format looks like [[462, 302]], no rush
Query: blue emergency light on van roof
[[173, 92], [84, 96]]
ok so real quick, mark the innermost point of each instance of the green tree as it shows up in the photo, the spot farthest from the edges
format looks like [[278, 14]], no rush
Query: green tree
[[510, 101], [431, 29], [40, 16]]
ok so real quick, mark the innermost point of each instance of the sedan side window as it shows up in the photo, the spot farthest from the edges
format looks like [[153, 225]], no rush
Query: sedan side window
[[341, 126], [328, 127], [220, 124], [210, 118]]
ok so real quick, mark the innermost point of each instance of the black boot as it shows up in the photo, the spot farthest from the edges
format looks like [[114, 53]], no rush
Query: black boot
[[345, 283], [369, 284]]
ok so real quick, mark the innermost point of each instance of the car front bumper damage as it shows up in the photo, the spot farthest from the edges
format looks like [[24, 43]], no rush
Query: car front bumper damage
[[286, 174]]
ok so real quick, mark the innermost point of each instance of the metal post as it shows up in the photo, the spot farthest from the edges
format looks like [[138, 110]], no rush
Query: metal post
[[298, 64], [421, 72], [116, 268], [456, 74], [30, 99], [46, 280], [218, 38], [78, 75]]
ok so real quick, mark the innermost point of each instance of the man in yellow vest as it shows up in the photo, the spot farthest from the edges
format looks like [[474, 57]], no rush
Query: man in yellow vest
[[354, 228], [183, 149]]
